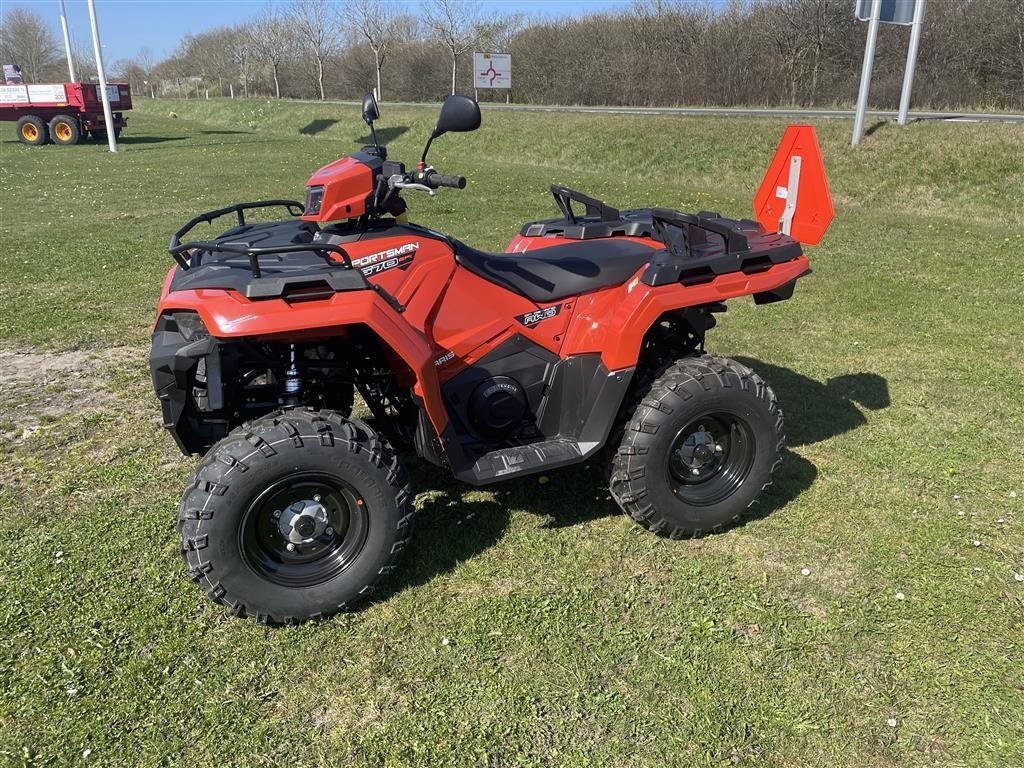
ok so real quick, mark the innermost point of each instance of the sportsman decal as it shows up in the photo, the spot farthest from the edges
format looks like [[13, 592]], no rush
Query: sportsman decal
[[382, 261], [531, 319]]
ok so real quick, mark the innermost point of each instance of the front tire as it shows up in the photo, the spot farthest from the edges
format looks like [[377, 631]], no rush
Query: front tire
[[295, 516], [699, 449]]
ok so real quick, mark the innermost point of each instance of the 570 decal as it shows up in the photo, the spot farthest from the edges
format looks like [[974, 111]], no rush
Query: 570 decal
[[382, 261]]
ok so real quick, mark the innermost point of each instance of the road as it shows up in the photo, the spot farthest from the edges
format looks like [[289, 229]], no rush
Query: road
[[960, 117]]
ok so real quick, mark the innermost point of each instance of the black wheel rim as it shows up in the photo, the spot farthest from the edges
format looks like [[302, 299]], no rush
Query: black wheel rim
[[304, 530], [710, 458]]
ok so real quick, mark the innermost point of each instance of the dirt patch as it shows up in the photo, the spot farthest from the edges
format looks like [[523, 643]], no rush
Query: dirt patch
[[38, 387]]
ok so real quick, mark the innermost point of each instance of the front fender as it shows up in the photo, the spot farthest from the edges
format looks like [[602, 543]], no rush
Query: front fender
[[229, 315]]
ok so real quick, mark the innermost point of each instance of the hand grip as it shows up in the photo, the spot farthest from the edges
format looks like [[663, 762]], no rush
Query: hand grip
[[435, 180]]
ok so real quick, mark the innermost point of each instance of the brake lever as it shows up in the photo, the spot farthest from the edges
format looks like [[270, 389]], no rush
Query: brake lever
[[398, 182]]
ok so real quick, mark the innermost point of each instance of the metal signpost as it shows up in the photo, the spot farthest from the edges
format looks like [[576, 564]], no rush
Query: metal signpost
[[865, 72], [875, 12], [67, 42], [492, 70], [108, 116], [908, 73]]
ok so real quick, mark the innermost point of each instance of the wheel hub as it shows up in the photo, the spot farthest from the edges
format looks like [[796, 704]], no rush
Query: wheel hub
[[302, 522], [699, 451]]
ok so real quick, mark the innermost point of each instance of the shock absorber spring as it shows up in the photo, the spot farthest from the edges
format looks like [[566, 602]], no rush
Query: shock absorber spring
[[291, 392]]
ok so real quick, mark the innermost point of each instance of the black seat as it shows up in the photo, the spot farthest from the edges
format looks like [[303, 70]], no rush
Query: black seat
[[557, 271]]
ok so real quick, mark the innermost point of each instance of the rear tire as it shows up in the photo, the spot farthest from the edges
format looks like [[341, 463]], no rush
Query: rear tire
[[699, 448], [65, 130], [32, 131], [295, 516]]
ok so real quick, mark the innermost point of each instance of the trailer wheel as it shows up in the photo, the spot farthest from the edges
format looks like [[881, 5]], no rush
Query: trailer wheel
[[32, 131], [64, 129]]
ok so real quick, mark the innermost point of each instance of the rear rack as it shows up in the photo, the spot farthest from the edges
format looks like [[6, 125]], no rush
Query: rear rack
[[564, 197], [689, 258], [734, 233], [188, 255], [599, 220]]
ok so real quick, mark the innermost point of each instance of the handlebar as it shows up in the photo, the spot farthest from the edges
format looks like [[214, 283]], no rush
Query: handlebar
[[422, 180], [435, 180]]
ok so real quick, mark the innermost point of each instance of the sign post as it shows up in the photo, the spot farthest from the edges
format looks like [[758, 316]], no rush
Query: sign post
[[108, 116], [865, 72], [492, 70], [67, 42], [908, 73], [904, 12]]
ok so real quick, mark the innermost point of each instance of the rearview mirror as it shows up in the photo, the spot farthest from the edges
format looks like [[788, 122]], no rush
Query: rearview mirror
[[458, 114], [370, 111]]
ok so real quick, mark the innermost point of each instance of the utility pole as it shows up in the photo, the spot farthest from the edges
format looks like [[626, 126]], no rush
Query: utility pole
[[865, 72], [908, 73], [108, 116], [67, 42]]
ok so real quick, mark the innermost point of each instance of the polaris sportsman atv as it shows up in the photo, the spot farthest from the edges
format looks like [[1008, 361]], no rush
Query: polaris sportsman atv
[[587, 333]]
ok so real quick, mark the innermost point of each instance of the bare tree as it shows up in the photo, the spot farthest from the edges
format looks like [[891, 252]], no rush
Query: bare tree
[[240, 45], [496, 33], [315, 23], [376, 21], [453, 23], [26, 42], [273, 36]]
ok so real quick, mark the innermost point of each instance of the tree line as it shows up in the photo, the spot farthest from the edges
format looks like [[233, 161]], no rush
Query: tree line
[[653, 53]]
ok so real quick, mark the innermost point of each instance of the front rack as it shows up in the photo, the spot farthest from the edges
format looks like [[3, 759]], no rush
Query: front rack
[[186, 254]]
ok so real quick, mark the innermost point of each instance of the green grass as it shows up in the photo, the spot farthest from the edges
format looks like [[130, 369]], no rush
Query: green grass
[[532, 624]]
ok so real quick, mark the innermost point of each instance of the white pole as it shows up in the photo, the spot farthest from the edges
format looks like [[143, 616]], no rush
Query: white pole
[[865, 72], [108, 116], [908, 73], [67, 42]]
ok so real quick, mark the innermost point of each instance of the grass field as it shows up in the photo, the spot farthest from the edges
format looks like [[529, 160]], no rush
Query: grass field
[[532, 623]]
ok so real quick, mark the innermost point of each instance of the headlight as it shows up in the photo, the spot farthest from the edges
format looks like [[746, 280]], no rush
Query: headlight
[[190, 325], [314, 197]]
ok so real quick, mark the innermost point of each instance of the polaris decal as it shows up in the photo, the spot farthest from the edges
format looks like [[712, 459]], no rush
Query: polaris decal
[[531, 319], [382, 261], [444, 359]]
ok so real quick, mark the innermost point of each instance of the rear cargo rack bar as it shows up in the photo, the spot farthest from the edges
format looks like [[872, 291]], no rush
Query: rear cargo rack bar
[[185, 253], [564, 197], [732, 232]]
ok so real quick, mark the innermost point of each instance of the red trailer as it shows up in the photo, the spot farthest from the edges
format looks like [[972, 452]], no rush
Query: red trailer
[[63, 112]]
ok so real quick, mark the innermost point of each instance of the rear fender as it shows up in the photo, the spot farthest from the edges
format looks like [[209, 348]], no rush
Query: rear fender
[[614, 322]]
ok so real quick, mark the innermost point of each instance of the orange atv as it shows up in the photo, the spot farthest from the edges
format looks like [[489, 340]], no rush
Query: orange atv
[[587, 333]]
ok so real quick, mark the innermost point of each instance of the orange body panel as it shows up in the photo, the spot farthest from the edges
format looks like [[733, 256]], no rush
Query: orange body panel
[[614, 321], [345, 200], [228, 314], [453, 318]]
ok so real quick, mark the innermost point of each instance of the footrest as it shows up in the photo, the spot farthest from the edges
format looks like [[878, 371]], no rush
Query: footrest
[[524, 459]]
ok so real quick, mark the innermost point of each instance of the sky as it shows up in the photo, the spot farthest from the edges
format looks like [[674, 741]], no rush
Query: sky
[[126, 26]]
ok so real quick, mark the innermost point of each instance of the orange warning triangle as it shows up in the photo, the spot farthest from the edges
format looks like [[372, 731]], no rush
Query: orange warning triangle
[[814, 210]]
